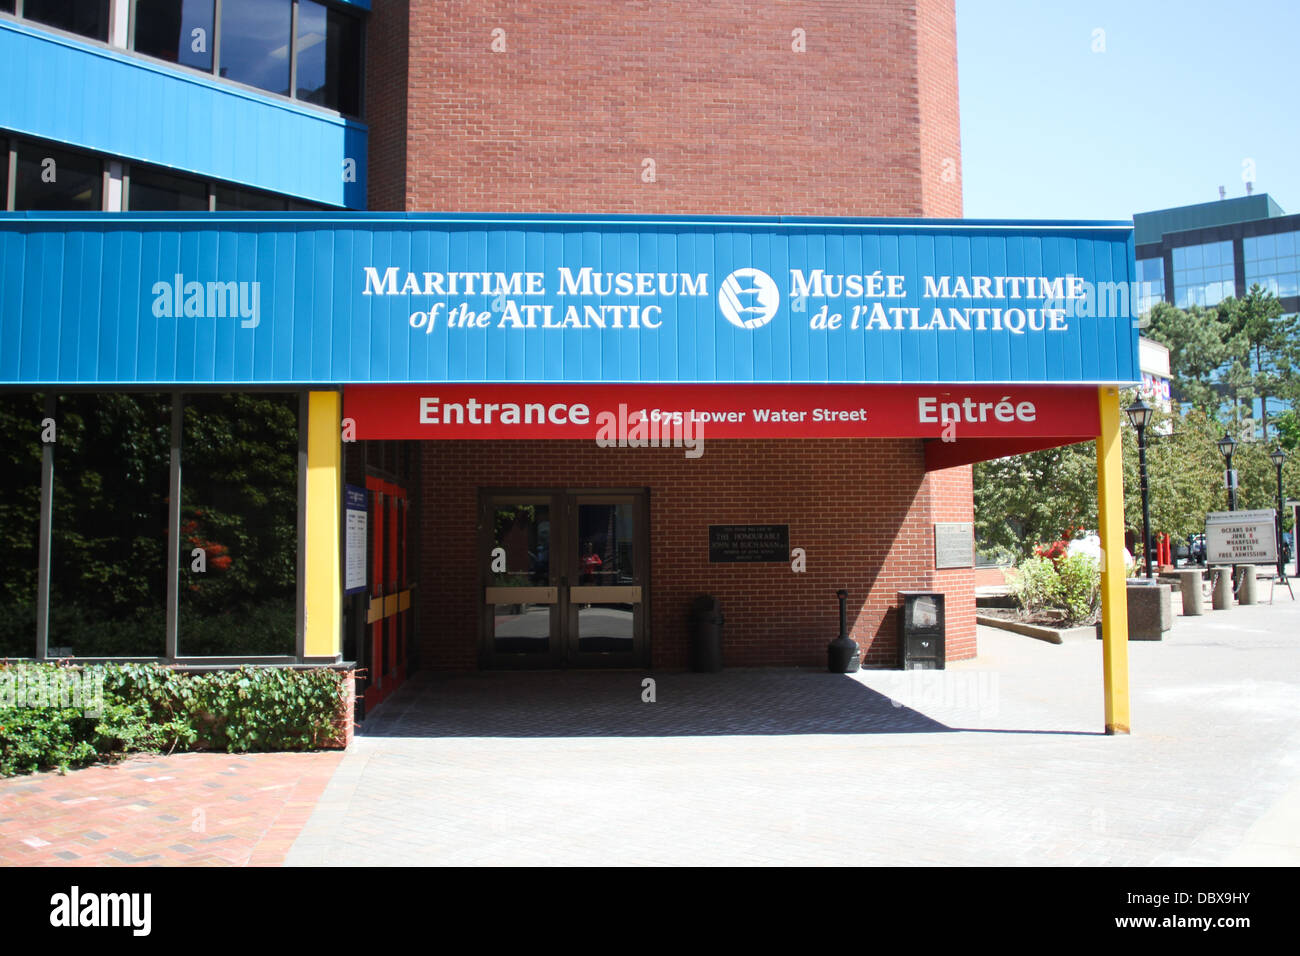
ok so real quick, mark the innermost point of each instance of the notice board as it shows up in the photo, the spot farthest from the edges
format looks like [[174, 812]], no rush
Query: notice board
[[1240, 537]]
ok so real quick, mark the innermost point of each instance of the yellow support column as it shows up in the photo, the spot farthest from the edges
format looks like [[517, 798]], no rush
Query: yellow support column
[[323, 589], [1114, 597]]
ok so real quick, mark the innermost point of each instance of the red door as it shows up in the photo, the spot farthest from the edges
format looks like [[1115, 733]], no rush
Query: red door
[[388, 611]]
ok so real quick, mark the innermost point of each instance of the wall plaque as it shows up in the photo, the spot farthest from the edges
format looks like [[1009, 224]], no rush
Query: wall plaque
[[954, 544], [732, 543]]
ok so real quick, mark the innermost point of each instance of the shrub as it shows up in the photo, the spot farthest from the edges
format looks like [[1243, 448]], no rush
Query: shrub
[[1070, 585], [1080, 578], [1036, 585], [147, 708]]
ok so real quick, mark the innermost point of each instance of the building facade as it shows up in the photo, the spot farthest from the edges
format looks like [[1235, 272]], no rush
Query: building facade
[[267, 406], [1200, 255]]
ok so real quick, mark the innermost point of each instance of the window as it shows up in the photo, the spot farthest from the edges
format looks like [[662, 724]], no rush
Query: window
[[255, 43], [1273, 262], [4, 174], [1151, 283], [108, 548], [110, 536], [239, 525], [179, 31], [1203, 275], [89, 18], [55, 179], [329, 57], [234, 199], [21, 415], [154, 190], [6, 6]]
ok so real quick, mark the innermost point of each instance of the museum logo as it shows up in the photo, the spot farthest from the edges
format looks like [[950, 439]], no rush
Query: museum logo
[[748, 298]]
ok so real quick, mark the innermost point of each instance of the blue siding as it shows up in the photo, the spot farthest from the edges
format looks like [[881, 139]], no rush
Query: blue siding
[[89, 96], [77, 300]]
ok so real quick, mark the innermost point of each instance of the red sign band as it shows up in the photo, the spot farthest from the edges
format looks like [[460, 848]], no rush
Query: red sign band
[[590, 412]]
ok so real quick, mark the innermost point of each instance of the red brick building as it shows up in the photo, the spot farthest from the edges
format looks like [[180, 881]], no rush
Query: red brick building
[[830, 108]]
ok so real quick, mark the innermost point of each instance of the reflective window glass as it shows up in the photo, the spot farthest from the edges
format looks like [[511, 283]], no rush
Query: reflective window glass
[[179, 31], [234, 199], [1203, 274], [108, 548], [523, 541], [1272, 264], [606, 545], [329, 57], [521, 557], [154, 190], [1151, 283], [54, 179], [89, 18], [21, 416], [239, 525], [255, 43]]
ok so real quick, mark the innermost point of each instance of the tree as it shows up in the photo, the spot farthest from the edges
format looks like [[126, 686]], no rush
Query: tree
[[1197, 340], [1037, 497], [1263, 349], [1287, 425], [1042, 496], [1184, 473]]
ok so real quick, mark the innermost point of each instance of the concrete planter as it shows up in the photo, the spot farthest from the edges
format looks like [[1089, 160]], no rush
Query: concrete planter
[[1150, 612], [1052, 635]]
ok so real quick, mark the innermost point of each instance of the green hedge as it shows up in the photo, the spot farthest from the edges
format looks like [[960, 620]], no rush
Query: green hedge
[[55, 717]]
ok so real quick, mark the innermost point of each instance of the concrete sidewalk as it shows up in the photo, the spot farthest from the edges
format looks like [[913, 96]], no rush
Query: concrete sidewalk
[[1000, 760]]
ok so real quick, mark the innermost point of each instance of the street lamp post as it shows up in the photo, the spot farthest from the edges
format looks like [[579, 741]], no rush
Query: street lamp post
[[1278, 457], [1139, 415], [1226, 447]]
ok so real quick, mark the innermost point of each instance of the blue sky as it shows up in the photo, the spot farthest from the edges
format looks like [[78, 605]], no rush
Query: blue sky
[[1182, 94]]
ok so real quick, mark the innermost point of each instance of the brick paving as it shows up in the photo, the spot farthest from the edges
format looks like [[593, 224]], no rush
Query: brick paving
[[1000, 760], [180, 810]]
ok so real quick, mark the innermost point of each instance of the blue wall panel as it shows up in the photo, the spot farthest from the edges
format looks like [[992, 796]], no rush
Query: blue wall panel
[[89, 96], [78, 300]]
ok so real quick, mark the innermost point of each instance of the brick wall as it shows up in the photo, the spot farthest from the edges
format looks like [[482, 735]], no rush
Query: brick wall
[[387, 58], [939, 119], [949, 495], [863, 123], [861, 509]]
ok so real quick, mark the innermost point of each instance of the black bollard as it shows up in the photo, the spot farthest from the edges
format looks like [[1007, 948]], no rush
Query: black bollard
[[843, 656]]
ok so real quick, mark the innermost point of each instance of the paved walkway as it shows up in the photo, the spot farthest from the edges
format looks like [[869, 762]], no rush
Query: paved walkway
[[995, 761], [998, 760], [182, 810]]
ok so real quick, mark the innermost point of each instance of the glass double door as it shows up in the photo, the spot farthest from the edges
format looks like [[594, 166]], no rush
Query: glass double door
[[565, 578]]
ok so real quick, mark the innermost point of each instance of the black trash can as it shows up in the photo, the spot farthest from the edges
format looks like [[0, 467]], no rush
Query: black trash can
[[706, 634], [921, 631]]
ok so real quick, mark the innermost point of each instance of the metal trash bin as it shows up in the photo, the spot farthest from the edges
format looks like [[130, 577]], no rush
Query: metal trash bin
[[921, 631], [706, 634]]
